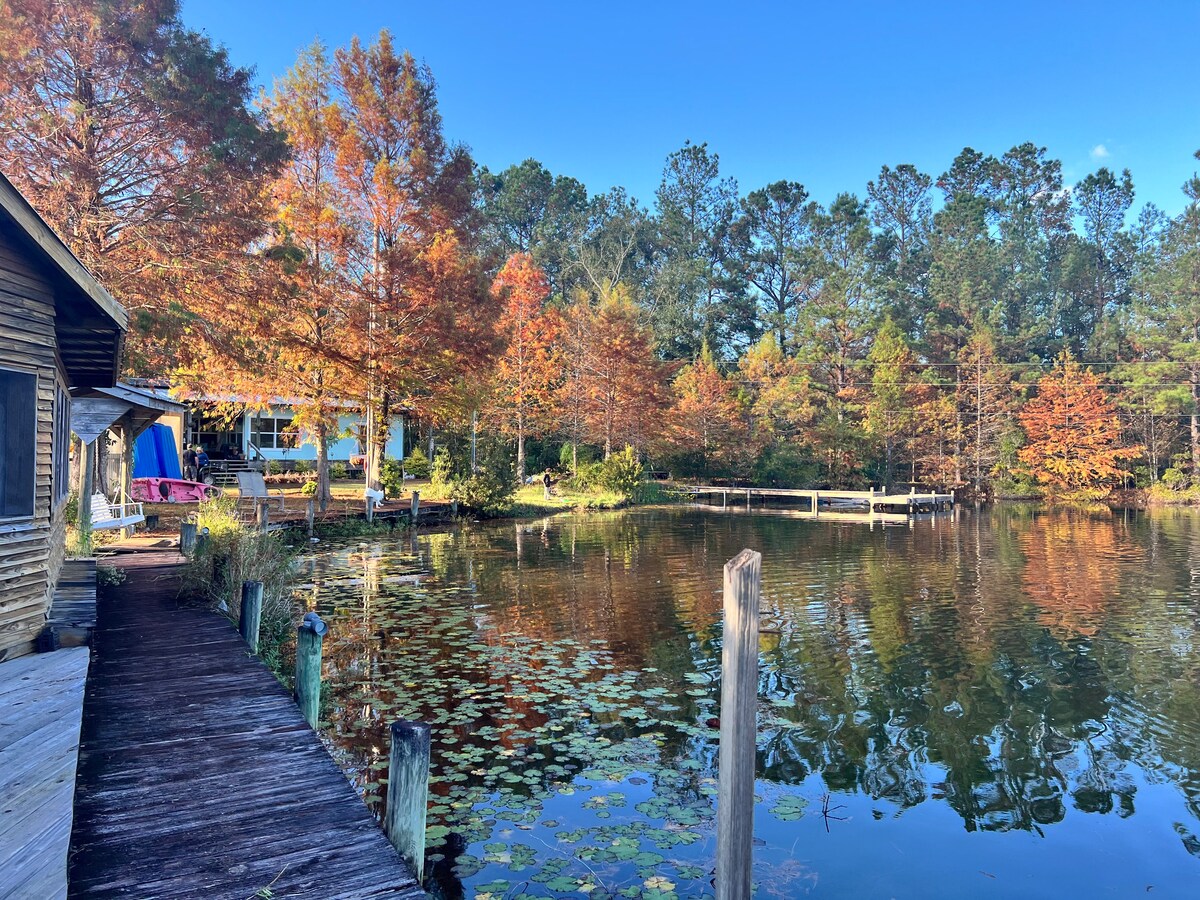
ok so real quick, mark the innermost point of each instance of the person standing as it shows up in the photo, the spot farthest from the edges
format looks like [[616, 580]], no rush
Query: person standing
[[546, 481], [189, 464]]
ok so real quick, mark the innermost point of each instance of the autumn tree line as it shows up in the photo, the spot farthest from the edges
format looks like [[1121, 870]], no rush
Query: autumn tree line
[[989, 328]]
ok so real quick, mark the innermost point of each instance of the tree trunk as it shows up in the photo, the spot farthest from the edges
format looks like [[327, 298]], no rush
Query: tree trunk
[[323, 493], [520, 449], [376, 426], [1195, 425]]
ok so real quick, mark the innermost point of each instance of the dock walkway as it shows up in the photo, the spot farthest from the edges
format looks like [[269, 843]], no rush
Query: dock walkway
[[832, 500], [198, 776], [41, 705]]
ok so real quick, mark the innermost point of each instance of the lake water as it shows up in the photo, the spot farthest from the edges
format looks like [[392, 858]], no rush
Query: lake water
[[1002, 703]]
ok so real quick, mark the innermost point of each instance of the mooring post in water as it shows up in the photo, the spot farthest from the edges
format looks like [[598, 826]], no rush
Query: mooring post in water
[[370, 510], [739, 705], [264, 515], [250, 616], [408, 793], [187, 537], [416, 506], [310, 634], [453, 508], [202, 539], [309, 514]]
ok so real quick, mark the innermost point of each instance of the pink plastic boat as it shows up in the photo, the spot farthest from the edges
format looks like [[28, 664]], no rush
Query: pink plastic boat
[[171, 490]]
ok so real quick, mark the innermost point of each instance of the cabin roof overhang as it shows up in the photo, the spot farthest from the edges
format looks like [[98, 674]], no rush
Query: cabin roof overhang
[[132, 408], [90, 325]]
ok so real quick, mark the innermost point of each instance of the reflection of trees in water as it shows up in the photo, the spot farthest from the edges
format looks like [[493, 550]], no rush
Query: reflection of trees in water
[[943, 653], [1014, 664]]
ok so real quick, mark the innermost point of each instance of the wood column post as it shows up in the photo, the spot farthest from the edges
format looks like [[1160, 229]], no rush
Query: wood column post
[[86, 467], [739, 707], [309, 514], [310, 635], [416, 506], [187, 538], [408, 793]]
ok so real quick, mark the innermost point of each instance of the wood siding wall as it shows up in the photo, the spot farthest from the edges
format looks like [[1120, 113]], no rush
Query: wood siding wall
[[31, 552]]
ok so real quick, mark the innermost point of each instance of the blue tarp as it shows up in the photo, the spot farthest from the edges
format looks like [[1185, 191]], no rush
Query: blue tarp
[[154, 454]]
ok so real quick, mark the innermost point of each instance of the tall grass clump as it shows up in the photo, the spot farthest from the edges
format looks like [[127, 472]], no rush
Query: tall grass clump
[[236, 552]]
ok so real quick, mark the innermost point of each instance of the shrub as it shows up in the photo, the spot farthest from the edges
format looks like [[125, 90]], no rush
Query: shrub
[[309, 489], [274, 467], [441, 474], [566, 457], [417, 464], [621, 473], [338, 471], [486, 493], [303, 466], [1175, 479], [391, 477]]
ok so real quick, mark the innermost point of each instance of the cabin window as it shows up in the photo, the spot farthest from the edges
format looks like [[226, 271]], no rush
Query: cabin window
[[18, 444], [269, 433], [62, 443]]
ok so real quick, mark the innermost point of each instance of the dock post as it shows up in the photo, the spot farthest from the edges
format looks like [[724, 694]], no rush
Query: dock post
[[408, 793], [187, 538], [747, 498], [453, 508], [202, 539], [816, 502], [739, 706], [416, 506], [310, 634], [250, 616], [309, 512], [263, 515], [724, 499], [370, 510]]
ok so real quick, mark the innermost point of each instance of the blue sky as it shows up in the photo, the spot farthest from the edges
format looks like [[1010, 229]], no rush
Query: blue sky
[[821, 93]]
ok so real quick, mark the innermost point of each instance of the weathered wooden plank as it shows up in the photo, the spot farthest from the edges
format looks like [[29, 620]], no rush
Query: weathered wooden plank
[[191, 754]]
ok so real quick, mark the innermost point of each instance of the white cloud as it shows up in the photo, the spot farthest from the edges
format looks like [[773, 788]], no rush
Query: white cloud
[[1100, 152]]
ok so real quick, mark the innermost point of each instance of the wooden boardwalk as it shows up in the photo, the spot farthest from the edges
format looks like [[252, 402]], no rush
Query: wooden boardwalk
[[41, 704], [198, 776]]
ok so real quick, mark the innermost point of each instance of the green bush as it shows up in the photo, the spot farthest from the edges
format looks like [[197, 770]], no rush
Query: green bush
[[417, 464], [391, 477], [585, 454], [485, 493], [274, 467], [338, 471], [1175, 479], [621, 473], [309, 488], [441, 474], [303, 466]]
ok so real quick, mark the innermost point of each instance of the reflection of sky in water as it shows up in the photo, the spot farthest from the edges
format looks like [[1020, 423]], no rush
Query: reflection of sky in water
[[1003, 704]]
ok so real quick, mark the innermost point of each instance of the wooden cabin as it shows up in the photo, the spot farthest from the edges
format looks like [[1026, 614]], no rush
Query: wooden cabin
[[59, 331]]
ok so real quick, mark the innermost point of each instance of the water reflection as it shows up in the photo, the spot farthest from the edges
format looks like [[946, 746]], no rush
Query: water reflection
[[1029, 672]]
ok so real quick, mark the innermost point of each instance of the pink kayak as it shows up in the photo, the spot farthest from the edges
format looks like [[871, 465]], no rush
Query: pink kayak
[[171, 490]]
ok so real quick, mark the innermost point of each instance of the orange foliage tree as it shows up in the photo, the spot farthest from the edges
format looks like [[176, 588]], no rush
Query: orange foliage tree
[[1073, 435], [422, 322], [529, 370], [619, 388], [708, 419], [134, 137]]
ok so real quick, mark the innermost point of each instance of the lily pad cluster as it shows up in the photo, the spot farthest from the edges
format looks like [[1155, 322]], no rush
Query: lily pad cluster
[[556, 771]]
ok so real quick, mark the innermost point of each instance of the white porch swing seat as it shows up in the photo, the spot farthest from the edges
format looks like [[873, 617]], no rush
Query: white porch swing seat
[[114, 515]]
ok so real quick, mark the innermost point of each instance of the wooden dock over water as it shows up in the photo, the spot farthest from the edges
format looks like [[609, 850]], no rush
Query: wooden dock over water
[[198, 776], [827, 501]]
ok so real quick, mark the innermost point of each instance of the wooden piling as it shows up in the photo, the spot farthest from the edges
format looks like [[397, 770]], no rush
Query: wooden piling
[[747, 498], [187, 538], [250, 617], [416, 505], [739, 705], [309, 515], [202, 539], [370, 510], [310, 635], [453, 508], [263, 516], [408, 793]]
